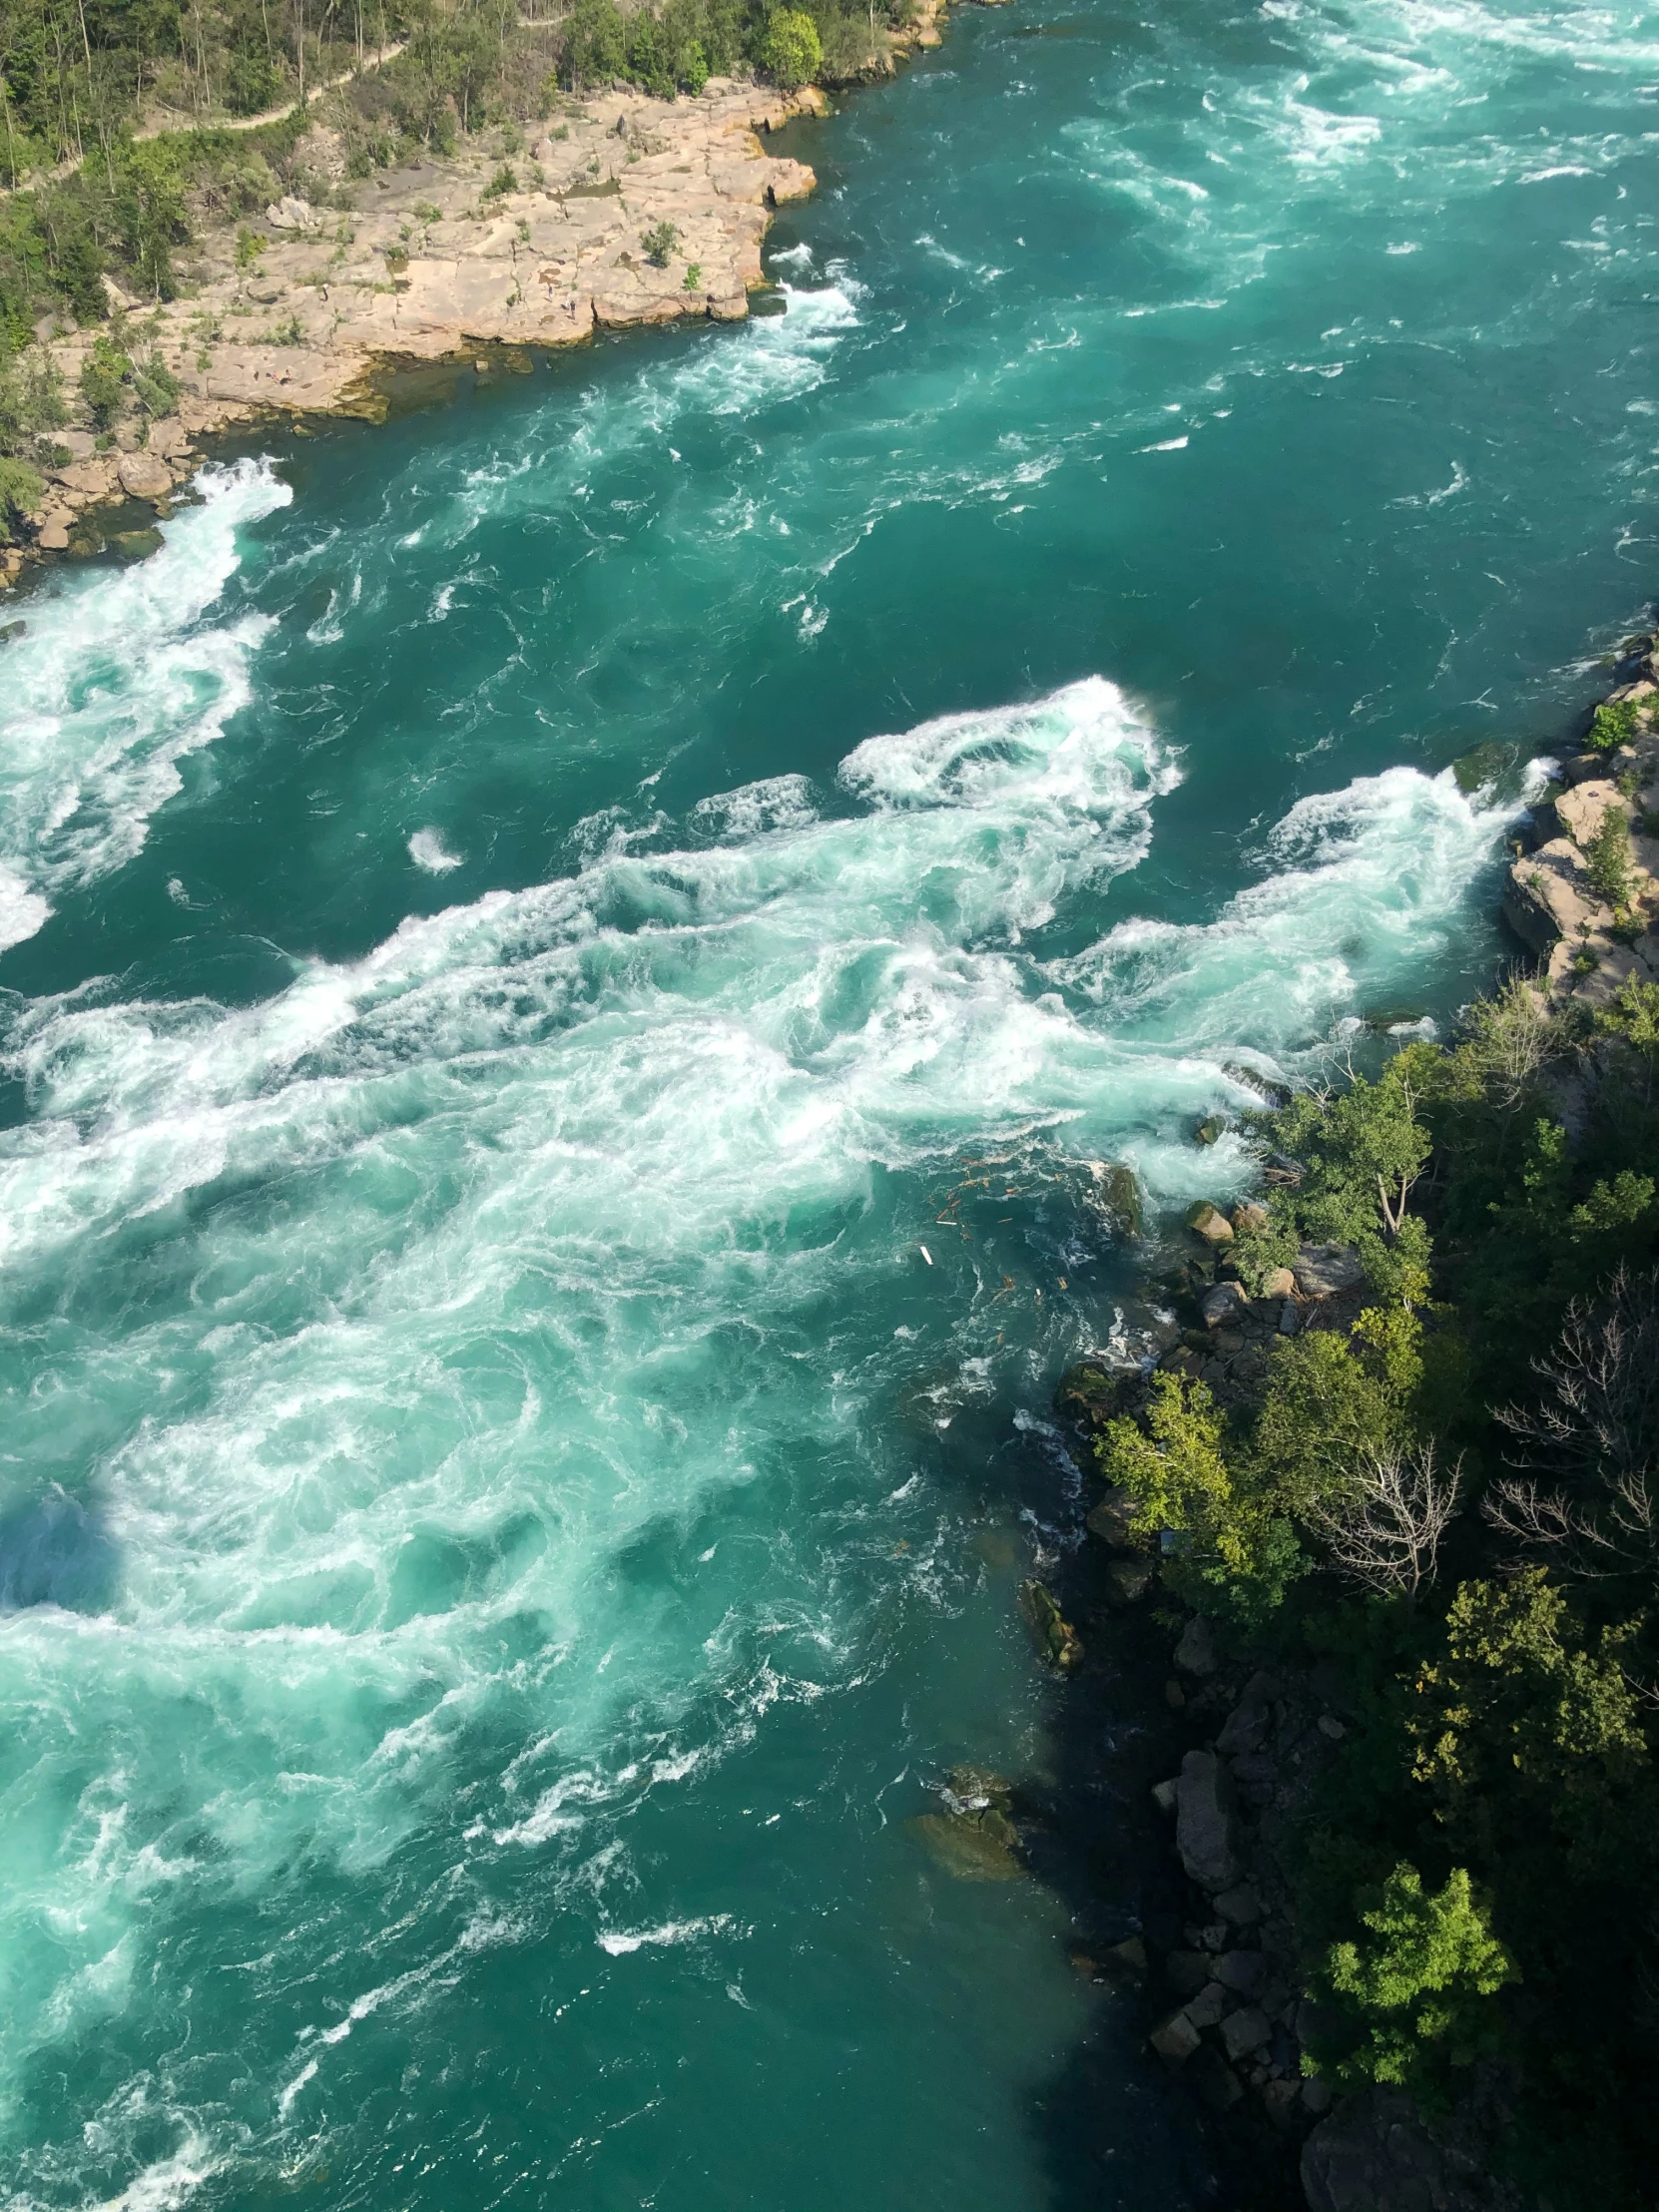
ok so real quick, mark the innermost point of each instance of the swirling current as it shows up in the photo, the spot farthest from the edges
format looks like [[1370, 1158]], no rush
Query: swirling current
[[519, 925]]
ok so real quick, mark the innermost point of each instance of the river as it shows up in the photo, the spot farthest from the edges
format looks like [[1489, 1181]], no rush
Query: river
[[522, 922]]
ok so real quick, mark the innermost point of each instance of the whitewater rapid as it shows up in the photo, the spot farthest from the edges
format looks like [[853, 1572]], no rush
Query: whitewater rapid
[[567, 966]]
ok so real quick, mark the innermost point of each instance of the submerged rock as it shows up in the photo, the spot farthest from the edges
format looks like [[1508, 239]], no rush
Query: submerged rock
[[967, 1849], [974, 1840], [1117, 1196], [1053, 1635]]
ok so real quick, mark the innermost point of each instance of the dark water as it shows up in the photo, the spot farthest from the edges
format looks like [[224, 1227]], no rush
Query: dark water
[[521, 922]]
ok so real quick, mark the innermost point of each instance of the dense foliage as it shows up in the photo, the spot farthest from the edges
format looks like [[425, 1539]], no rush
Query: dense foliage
[[1455, 1500]]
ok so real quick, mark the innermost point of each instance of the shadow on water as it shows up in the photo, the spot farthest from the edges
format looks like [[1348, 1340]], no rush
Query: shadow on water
[[1111, 2125], [55, 1549]]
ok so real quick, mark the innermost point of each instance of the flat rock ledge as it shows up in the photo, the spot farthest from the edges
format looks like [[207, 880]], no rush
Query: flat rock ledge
[[446, 260]]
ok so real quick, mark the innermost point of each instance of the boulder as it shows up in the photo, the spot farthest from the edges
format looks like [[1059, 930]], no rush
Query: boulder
[[1214, 2079], [1206, 2010], [1175, 2039], [1547, 896], [1243, 2033], [54, 534], [1246, 1727], [91, 477], [1223, 1303], [1210, 1223], [1279, 2100], [1325, 1271], [1110, 1519], [1240, 1905], [1247, 1214], [1206, 1832], [1280, 1283], [1374, 2153], [1165, 1796], [142, 477], [1127, 1582], [1211, 1130], [293, 214], [1187, 1971], [1195, 1654], [1245, 1973]]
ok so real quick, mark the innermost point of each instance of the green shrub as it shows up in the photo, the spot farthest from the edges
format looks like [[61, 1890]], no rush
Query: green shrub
[[250, 246], [1613, 725], [21, 492], [156, 385], [503, 182], [658, 243], [1607, 859]]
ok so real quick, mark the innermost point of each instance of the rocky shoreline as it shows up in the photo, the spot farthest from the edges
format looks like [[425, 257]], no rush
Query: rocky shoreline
[[626, 211], [1224, 1997]]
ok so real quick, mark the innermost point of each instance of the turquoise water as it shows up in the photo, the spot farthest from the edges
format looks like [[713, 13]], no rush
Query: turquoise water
[[521, 921]]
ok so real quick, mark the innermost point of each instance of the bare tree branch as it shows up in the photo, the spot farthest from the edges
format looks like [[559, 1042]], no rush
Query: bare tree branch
[[1383, 1529], [1593, 1437]]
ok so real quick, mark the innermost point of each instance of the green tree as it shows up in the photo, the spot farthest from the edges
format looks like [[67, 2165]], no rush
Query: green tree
[[790, 49], [1232, 1548], [1421, 1983], [1362, 1150], [595, 44], [104, 378]]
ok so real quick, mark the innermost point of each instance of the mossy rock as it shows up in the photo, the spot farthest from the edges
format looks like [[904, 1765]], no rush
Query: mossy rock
[[86, 545], [1118, 1197], [1210, 1130], [1053, 1635], [1091, 1396], [137, 545], [1495, 765], [966, 1851], [1210, 1223]]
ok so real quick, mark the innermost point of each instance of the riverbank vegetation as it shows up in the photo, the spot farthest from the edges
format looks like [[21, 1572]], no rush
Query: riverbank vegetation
[[1455, 1503], [129, 132]]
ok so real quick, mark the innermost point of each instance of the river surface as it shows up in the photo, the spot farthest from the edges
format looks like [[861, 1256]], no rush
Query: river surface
[[520, 924]]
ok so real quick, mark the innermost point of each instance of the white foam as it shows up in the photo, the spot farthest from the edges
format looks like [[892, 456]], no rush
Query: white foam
[[118, 680], [428, 851], [620, 1942]]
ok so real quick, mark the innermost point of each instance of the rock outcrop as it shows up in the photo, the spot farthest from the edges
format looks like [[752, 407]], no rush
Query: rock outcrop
[[1585, 948]]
